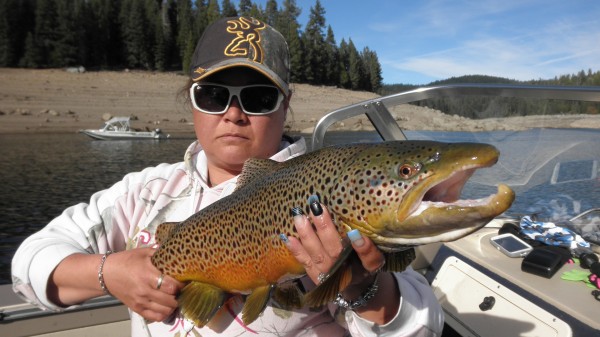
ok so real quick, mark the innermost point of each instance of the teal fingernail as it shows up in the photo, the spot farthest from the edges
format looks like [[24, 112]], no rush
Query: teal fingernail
[[356, 238], [284, 239]]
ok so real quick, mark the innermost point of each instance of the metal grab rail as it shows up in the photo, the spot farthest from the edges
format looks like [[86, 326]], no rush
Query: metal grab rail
[[383, 121]]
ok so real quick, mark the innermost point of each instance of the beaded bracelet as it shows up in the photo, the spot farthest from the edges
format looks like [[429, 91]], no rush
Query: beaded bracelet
[[101, 275], [362, 299]]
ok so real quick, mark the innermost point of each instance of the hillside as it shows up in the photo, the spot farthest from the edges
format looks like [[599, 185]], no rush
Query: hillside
[[54, 100]]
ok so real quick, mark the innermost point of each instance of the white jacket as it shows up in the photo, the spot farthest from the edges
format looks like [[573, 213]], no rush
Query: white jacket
[[126, 215]]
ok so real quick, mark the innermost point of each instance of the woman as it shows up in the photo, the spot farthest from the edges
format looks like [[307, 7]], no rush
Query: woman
[[240, 97]]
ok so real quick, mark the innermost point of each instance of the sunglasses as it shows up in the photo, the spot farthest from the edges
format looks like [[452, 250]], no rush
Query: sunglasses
[[256, 99]]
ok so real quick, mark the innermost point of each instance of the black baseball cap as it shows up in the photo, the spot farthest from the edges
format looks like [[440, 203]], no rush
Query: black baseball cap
[[242, 42]]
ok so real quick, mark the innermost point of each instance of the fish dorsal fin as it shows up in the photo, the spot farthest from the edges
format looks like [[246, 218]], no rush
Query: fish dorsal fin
[[340, 277], [200, 301], [398, 261], [254, 168], [164, 230], [256, 303]]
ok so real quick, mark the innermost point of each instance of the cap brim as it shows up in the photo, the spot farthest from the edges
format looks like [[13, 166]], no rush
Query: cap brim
[[201, 73]]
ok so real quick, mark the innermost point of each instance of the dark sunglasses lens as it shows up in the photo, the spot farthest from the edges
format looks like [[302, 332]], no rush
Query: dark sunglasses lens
[[211, 98], [259, 100]]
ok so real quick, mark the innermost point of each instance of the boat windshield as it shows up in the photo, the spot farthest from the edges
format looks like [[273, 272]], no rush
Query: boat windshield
[[548, 137], [117, 124]]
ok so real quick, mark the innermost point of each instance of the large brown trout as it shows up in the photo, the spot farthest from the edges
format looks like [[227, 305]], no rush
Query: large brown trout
[[400, 194]]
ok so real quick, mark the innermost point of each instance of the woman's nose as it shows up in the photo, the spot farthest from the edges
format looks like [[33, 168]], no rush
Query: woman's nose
[[235, 113]]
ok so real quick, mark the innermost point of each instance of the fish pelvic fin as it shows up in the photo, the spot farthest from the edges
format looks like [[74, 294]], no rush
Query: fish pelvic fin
[[398, 261], [254, 168], [340, 277], [164, 230], [199, 302], [256, 302]]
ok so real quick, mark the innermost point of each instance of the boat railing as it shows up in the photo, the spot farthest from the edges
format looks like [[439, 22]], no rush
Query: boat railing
[[377, 109]]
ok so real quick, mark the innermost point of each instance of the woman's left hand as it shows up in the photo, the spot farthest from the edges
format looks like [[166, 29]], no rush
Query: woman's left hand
[[319, 248]]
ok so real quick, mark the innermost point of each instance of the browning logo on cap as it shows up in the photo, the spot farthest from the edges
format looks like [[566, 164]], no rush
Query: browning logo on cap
[[246, 37]]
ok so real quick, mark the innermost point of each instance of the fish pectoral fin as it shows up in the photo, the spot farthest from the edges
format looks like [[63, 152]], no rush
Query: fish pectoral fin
[[200, 301], [256, 303], [339, 278], [398, 261], [288, 296], [164, 230]]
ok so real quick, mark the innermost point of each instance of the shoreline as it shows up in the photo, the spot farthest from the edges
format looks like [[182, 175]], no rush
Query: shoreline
[[57, 101]]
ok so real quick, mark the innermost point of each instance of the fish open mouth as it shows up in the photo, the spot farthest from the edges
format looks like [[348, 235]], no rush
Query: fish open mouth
[[441, 215]]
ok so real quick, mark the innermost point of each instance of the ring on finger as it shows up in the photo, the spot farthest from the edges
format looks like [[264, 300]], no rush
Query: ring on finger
[[159, 281], [322, 277]]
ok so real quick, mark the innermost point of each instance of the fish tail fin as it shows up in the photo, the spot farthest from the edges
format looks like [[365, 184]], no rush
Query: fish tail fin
[[199, 302]]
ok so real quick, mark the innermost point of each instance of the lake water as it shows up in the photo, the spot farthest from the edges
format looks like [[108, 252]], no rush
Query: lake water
[[41, 175]]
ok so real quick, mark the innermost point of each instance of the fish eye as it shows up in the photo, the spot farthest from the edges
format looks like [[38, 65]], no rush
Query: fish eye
[[406, 171]]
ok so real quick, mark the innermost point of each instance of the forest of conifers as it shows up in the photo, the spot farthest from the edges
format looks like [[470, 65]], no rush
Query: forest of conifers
[[162, 34], [477, 107]]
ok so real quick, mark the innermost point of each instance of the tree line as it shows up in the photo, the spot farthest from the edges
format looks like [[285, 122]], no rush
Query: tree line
[[162, 34], [477, 107]]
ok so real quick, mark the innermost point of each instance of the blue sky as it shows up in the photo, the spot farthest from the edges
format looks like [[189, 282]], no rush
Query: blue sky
[[418, 42]]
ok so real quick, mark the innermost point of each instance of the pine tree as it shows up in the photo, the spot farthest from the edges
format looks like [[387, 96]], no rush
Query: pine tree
[[314, 45], [289, 27], [344, 62], [31, 57], [244, 7], [213, 12], [228, 9], [44, 33], [138, 34], [372, 70], [65, 50], [332, 65], [356, 70], [8, 28], [257, 12], [271, 13], [200, 21], [185, 37]]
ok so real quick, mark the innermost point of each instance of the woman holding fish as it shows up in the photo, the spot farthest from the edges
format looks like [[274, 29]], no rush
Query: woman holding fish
[[240, 97]]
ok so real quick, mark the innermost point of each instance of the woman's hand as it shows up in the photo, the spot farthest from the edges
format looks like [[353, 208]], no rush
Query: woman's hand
[[319, 247], [131, 277]]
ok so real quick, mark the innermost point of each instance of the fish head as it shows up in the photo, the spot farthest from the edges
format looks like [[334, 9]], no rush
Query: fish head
[[407, 193]]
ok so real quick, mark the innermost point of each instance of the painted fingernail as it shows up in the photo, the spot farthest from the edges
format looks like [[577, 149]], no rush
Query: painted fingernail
[[315, 206], [297, 211], [356, 238], [284, 239]]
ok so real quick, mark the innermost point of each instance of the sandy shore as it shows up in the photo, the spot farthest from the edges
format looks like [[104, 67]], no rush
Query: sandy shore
[[54, 101]]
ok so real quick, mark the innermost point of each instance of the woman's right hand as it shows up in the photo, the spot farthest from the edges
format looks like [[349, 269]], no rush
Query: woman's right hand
[[131, 277]]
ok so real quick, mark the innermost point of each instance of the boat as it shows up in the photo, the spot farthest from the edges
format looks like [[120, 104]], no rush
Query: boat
[[482, 291], [119, 128]]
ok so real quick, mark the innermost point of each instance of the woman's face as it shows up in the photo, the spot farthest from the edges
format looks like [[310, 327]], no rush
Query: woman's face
[[231, 138]]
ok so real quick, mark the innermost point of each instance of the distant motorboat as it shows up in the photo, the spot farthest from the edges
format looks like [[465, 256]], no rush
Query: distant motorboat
[[118, 128]]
